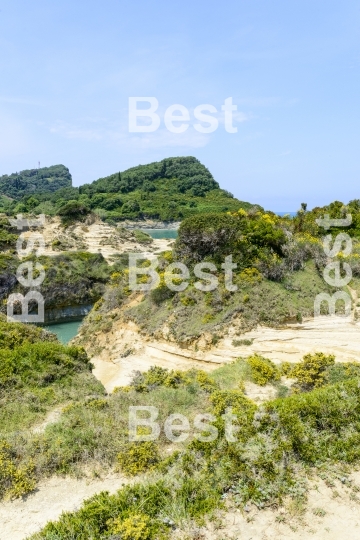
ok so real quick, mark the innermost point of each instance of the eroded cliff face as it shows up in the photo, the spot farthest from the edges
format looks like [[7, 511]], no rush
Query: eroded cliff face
[[93, 236], [67, 299], [67, 313], [118, 346]]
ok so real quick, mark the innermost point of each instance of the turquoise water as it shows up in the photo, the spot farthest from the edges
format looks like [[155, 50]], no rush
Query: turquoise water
[[65, 331], [291, 214], [161, 233]]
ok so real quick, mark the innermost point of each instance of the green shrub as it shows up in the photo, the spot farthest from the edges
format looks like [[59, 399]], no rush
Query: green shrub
[[40, 364], [142, 237], [73, 211], [160, 294], [341, 372], [240, 342], [98, 404], [263, 370], [103, 514], [247, 236], [187, 300], [318, 425], [157, 376], [310, 372], [13, 334], [285, 368], [223, 399], [138, 457], [205, 381]]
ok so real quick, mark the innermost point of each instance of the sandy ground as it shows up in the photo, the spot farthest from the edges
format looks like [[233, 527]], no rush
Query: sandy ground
[[22, 517]]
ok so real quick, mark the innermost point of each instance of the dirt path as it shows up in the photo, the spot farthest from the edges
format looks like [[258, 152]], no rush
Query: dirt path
[[51, 418], [23, 517]]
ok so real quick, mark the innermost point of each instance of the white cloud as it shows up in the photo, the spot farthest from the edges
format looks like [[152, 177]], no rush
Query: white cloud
[[162, 138], [116, 132], [119, 135]]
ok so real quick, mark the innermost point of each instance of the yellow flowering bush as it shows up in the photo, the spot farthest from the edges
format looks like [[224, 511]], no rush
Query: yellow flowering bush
[[263, 370], [138, 457], [310, 372], [135, 527], [15, 481]]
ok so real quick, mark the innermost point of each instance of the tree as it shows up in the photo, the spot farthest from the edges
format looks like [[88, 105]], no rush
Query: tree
[[73, 211]]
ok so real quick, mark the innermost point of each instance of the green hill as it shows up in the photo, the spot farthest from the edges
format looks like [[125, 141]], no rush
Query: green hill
[[35, 181], [168, 190]]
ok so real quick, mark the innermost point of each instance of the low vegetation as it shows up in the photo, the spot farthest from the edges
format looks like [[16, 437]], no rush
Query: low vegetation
[[311, 428], [279, 273], [278, 446], [263, 370], [37, 373]]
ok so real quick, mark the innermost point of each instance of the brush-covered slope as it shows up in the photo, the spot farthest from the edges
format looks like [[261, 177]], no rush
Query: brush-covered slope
[[78, 260], [168, 190], [34, 181], [278, 275], [273, 453]]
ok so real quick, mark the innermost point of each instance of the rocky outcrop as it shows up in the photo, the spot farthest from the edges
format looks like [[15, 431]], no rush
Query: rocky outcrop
[[66, 300], [123, 348], [7, 283], [94, 236], [150, 224], [67, 313]]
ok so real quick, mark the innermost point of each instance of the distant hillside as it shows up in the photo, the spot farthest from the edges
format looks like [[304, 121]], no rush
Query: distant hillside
[[169, 190], [186, 173], [29, 182]]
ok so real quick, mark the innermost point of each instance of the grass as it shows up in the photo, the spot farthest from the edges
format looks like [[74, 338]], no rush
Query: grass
[[240, 342], [36, 374]]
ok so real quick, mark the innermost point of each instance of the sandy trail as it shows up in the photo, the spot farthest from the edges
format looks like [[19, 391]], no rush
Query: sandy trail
[[22, 517]]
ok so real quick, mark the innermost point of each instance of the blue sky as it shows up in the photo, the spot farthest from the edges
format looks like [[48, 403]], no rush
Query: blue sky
[[291, 67]]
